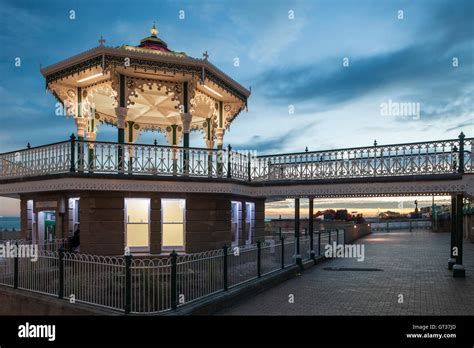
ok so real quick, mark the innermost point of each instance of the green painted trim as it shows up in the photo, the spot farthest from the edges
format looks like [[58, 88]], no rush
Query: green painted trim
[[220, 114], [209, 129], [186, 140], [130, 131], [174, 127], [122, 91], [185, 97], [79, 101], [121, 135]]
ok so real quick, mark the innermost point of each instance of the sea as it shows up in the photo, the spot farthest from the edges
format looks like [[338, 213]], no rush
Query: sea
[[9, 222]]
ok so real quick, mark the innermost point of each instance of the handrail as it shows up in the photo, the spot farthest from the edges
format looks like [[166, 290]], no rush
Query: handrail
[[243, 154], [35, 147], [99, 157], [377, 147]]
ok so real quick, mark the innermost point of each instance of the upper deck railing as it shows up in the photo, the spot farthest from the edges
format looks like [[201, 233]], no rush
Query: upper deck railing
[[97, 157]]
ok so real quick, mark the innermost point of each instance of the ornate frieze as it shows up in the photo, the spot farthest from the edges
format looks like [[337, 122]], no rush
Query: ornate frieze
[[441, 187]]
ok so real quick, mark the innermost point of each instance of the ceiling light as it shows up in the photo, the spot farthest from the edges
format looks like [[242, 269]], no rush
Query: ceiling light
[[211, 90], [90, 77]]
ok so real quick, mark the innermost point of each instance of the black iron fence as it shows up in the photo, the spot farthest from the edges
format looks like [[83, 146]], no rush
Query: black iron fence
[[158, 284], [82, 156]]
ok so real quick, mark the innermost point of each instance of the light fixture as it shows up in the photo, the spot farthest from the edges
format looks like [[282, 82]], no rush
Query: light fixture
[[89, 77], [211, 90]]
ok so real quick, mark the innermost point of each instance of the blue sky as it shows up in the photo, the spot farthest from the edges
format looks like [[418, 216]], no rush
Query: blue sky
[[287, 62]]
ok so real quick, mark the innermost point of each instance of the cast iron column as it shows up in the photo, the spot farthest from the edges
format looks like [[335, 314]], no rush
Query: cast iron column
[[452, 258], [297, 232], [311, 226], [458, 268]]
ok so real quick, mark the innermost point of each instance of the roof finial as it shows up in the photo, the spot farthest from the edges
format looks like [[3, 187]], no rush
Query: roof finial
[[101, 41], [153, 30]]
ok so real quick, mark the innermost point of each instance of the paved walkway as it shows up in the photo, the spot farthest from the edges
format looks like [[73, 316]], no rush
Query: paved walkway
[[414, 265]]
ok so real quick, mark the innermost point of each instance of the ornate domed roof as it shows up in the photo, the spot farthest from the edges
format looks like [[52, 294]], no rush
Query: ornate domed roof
[[153, 42]]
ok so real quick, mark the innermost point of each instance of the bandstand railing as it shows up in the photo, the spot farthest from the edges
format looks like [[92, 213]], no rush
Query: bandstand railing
[[98, 157]]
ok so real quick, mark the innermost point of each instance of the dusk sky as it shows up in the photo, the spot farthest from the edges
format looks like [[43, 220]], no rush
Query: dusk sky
[[290, 63]]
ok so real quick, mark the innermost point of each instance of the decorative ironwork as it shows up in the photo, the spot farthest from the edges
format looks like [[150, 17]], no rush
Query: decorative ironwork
[[425, 158]]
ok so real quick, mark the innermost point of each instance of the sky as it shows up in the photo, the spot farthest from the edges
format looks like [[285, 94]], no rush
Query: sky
[[320, 71]]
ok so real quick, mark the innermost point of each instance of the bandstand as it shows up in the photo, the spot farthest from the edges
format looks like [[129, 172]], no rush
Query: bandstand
[[147, 87], [155, 198]]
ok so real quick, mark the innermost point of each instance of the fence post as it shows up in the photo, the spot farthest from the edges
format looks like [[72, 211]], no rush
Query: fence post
[[225, 249], [249, 167], [282, 239], [128, 283], [461, 153], [61, 272], [259, 258], [229, 161], [329, 237], [174, 279], [15, 268], [72, 167], [337, 237], [410, 226]]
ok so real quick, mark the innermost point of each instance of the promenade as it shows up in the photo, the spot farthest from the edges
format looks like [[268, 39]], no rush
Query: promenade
[[410, 264]]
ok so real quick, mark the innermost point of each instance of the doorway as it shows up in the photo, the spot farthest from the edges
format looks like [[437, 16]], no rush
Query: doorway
[[46, 226]]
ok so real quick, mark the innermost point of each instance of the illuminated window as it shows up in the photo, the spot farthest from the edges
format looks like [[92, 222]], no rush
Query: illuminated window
[[236, 220], [250, 221], [137, 224], [172, 223]]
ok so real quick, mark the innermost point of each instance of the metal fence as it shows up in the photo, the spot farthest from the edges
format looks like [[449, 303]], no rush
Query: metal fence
[[402, 225], [98, 157], [49, 245], [156, 285]]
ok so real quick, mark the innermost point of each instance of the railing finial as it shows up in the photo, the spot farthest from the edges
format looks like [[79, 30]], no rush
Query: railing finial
[[375, 142], [462, 136], [306, 149], [73, 137], [28, 146]]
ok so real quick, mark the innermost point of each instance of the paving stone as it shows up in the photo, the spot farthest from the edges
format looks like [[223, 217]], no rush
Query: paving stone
[[414, 264]]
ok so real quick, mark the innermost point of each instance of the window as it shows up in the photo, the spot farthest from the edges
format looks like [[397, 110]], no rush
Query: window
[[73, 215], [137, 224], [172, 223], [250, 221], [236, 219]]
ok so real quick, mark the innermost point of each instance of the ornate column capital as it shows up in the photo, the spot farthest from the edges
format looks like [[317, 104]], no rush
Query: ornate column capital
[[186, 121], [220, 135], [121, 113], [81, 124]]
